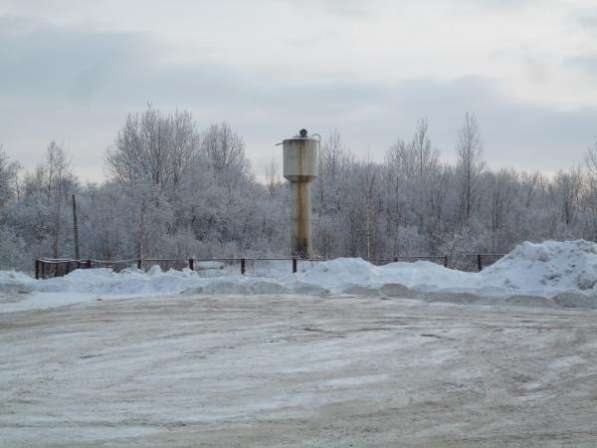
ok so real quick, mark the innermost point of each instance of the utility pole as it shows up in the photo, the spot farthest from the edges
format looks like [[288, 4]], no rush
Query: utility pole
[[141, 242], [76, 229]]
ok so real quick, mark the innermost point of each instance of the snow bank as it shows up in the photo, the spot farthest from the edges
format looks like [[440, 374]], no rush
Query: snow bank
[[12, 283], [547, 268], [127, 282], [547, 274]]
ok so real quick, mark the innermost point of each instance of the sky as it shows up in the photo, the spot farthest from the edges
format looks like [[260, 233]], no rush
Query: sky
[[72, 70]]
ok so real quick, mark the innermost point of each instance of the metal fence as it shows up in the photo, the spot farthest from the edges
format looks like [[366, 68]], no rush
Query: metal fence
[[461, 262], [48, 268]]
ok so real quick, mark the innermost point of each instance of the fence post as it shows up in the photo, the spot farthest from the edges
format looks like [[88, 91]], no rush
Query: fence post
[[191, 264], [88, 263], [243, 267], [445, 261], [479, 262], [395, 259], [37, 262], [140, 264], [294, 265]]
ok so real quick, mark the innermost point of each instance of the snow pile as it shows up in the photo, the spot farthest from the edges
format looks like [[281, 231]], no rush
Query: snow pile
[[547, 274], [12, 283], [547, 268], [128, 282], [343, 273]]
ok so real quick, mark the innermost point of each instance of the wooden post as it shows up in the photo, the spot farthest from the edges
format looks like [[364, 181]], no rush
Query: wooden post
[[395, 259], [479, 262], [37, 263], [243, 267], [294, 265], [56, 242], [141, 246], [191, 264], [445, 261], [76, 229]]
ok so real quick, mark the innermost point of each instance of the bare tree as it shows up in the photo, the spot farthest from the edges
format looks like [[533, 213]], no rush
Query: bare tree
[[58, 176], [332, 157], [225, 150], [421, 147], [370, 184], [8, 179], [568, 186], [591, 188], [502, 194], [394, 181], [272, 177], [470, 164]]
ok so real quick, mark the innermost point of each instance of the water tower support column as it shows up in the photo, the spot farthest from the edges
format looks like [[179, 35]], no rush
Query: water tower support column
[[301, 219]]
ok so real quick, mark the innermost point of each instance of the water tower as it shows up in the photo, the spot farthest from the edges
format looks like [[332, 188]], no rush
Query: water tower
[[300, 168]]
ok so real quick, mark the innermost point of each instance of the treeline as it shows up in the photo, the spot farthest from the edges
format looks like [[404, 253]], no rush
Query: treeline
[[177, 191]]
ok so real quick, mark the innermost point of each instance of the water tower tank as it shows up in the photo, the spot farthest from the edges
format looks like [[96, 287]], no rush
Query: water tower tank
[[300, 158], [300, 168]]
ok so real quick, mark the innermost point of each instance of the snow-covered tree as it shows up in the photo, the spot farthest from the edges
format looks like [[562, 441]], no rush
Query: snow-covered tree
[[469, 166], [176, 190]]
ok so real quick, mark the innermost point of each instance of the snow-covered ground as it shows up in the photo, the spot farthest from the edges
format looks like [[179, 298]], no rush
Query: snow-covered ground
[[341, 354], [297, 370], [548, 274]]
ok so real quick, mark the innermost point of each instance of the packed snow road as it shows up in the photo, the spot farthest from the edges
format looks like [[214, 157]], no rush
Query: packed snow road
[[271, 371]]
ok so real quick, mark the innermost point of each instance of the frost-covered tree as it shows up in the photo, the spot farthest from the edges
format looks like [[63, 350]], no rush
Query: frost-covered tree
[[469, 165], [9, 187], [153, 150], [177, 190], [46, 191]]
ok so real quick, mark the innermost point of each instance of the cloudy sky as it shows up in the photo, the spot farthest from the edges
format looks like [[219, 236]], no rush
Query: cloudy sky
[[71, 70]]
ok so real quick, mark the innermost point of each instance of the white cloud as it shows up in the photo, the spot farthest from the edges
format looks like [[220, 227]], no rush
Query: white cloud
[[270, 67]]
